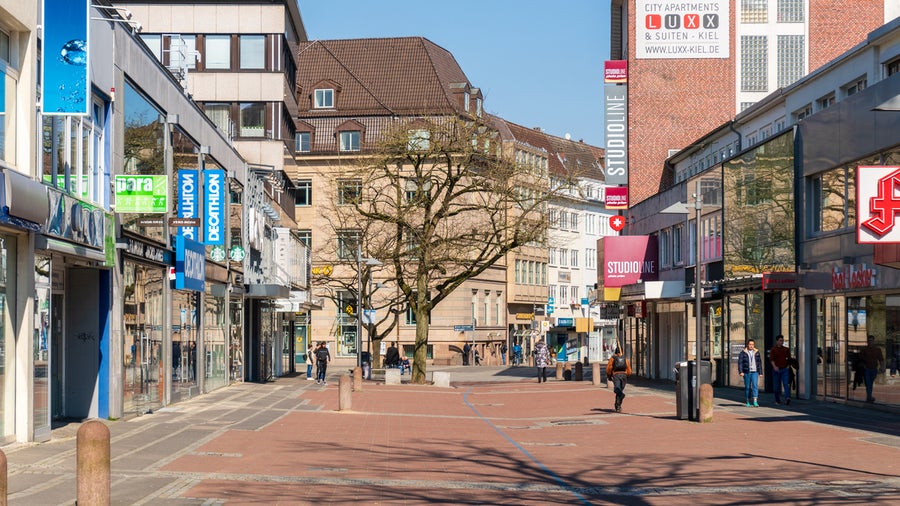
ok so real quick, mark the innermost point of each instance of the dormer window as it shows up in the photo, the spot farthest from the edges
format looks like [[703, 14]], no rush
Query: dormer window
[[419, 140], [350, 141], [324, 99], [466, 101], [478, 107]]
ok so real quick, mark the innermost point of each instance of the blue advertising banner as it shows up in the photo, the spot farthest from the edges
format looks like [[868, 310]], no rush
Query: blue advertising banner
[[65, 57], [215, 191], [190, 264], [188, 200]]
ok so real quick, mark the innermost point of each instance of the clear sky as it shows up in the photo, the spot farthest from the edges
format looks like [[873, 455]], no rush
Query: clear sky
[[538, 63]]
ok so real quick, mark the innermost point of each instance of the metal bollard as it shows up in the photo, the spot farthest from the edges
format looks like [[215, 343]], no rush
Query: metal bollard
[[706, 403], [93, 464], [579, 371], [357, 379], [344, 398], [595, 374]]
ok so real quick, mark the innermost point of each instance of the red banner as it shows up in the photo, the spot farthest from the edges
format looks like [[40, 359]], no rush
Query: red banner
[[628, 259]]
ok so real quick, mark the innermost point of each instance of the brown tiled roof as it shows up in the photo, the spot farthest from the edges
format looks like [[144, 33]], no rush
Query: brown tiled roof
[[386, 76], [565, 156]]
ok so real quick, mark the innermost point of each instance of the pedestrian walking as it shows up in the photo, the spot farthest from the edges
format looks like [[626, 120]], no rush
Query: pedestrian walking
[[873, 361], [618, 369], [323, 356], [503, 350], [541, 360], [476, 356], [309, 362], [750, 368], [780, 358], [517, 354]]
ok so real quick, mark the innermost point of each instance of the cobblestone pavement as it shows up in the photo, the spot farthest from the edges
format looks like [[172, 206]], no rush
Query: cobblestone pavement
[[495, 437]]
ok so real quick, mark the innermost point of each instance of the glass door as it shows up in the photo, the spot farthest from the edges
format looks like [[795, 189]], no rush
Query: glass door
[[41, 349]]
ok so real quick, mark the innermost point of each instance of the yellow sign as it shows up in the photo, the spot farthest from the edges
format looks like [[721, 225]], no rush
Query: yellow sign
[[349, 309], [524, 316], [323, 271]]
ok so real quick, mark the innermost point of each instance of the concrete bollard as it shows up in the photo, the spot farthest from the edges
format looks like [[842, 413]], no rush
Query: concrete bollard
[[579, 371], [559, 370], [392, 376], [595, 374], [441, 379], [357, 379], [706, 403], [3, 478], [93, 463], [344, 397]]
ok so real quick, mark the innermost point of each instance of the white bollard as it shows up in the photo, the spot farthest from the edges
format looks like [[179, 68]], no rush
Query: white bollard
[[441, 379], [392, 376]]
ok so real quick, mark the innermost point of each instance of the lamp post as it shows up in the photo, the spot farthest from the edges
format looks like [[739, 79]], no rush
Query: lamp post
[[681, 208], [360, 261]]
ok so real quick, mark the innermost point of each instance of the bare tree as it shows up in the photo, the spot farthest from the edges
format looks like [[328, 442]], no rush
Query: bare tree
[[438, 202]]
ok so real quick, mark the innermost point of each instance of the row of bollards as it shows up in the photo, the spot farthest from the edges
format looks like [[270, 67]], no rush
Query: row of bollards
[[92, 459]]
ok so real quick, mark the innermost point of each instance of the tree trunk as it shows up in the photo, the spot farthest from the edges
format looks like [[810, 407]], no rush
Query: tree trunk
[[421, 352]]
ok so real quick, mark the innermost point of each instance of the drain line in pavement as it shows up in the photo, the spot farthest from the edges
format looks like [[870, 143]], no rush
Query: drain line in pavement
[[555, 477]]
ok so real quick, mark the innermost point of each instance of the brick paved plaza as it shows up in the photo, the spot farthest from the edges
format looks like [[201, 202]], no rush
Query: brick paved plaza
[[495, 437]]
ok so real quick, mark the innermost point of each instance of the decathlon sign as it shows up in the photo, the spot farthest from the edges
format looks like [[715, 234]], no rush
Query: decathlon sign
[[214, 195], [190, 264], [188, 199], [878, 204]]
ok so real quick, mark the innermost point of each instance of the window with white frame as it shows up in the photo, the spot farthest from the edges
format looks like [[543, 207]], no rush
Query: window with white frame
[[563, 294], [218, 52], [8, 98], [350, 140], [590, 258], [574, 254], [551, 291], [497, 308], [754, 11], [855, 86], [803, 112], [348, 243], [677, 259], [543, 274], [485, 303], [252, 52], [419, 140], [303, 193], [563, 219], [302, 141], [324, 98], [826, 101], [573, 221], [563, 257], [183, 51], [552, 256], [74, 159], [349, 191], [664, 238], [791, 11], [590, 223]]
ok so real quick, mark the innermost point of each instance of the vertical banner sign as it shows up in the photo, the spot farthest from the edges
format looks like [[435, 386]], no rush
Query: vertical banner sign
[[615, 72], [188, 199], [616, 108], [215, 192], [65, 57]]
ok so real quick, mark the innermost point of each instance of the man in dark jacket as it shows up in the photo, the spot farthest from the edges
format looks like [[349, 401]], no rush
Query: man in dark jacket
[[392, 357], [618, 369]]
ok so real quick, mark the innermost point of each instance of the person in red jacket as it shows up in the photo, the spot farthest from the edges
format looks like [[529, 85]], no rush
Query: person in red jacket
[[780, 357], [618, 369]]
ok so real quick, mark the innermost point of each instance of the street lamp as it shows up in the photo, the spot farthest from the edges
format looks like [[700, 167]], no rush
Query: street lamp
[[360, 261], [682, 208]]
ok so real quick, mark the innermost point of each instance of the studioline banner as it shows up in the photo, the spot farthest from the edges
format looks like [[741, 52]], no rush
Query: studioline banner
[[616, 127], [65, 57], [215, 191], [188, 200], [628, 259]]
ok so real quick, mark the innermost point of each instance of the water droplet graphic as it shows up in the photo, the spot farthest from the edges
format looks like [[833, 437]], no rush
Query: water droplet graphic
[[74, 53]]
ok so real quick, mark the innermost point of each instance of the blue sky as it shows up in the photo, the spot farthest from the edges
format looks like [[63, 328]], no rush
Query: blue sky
[[538, 63]]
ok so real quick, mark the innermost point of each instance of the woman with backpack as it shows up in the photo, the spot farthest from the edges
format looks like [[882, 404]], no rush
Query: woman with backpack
[[541, 360]]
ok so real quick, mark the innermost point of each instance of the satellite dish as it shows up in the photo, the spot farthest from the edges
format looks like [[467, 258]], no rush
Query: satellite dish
[[568, 136]]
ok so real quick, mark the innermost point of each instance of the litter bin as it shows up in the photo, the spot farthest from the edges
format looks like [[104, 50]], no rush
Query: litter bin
[[686, 387], [366, 359]]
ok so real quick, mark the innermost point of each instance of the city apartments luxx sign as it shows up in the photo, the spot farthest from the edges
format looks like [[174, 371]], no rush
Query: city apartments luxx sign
[[682, 30]]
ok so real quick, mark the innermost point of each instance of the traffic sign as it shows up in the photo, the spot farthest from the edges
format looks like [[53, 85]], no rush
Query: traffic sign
[[463, 328]]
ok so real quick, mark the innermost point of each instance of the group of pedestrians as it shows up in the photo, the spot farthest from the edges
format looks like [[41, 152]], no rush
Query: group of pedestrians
[[320, 356]]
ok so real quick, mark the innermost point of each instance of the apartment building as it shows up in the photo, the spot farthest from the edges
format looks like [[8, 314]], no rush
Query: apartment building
[[696, 65]]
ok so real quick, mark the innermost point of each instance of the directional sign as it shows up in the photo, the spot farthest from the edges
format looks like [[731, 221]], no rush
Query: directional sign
[[463, 328]]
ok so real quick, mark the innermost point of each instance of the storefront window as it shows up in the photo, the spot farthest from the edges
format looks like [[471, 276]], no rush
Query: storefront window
[[145, 144], [7, 116], [144, 377], [185, 331], [7, 343], [214, 341], [41, 350], [737, 337], [236, 306]]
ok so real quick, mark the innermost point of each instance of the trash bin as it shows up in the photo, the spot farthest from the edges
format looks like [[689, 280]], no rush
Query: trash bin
[[366, 359], [686, 387]]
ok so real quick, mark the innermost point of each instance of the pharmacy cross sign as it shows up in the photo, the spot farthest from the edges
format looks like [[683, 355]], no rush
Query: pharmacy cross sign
[[878, 204], [616, 223]]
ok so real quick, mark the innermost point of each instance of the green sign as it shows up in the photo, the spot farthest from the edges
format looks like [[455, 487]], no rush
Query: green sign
[[142, 194], [217, 254]]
